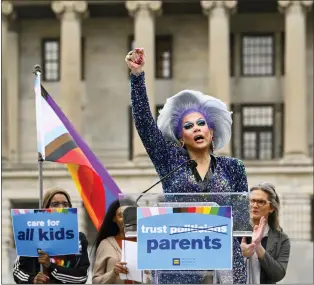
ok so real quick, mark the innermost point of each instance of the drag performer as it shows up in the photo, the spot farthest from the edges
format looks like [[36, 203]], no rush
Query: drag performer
[[191, 125]]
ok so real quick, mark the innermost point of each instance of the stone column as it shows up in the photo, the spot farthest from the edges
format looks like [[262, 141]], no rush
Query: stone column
[[13, 96], [7, 238], [6, 11], [144, 34], [218, 13], [295, 137], [70, 14]]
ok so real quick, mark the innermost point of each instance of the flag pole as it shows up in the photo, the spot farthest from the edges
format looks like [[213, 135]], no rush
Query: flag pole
[[40, 178], [37, 70]]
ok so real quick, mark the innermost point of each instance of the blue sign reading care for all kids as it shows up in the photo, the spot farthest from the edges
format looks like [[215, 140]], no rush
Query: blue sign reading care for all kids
[[54, 231], [196, 238]]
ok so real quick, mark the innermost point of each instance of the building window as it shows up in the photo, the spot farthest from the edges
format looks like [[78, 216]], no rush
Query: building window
[[231, 51], [131, 43], [257, 54], [163, 55], [51, 59], [282, 58], [257, 132]]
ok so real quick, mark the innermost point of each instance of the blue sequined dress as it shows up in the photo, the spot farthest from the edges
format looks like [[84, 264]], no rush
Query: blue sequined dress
[[229, 176]]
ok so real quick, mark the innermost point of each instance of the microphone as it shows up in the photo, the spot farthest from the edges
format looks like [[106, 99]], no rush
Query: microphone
[[192, 163], [129, 214]]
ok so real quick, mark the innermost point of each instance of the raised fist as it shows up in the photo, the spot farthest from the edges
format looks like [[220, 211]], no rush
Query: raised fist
[[135, 60]]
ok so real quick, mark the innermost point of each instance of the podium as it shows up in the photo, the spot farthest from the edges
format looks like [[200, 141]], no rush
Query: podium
[[186, 237]]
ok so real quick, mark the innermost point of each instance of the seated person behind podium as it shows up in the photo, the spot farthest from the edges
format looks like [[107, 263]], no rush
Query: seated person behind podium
[[57, 270], [191, 125], [268, 250], [108, 245]]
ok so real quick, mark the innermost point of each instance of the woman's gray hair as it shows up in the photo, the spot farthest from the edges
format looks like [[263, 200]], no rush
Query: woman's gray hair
[[273, 218]]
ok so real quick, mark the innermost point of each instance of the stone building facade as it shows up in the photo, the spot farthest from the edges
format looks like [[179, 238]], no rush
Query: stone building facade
[[256, 56]]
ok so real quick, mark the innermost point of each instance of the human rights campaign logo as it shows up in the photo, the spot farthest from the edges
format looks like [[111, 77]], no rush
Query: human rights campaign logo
[[176, 261]]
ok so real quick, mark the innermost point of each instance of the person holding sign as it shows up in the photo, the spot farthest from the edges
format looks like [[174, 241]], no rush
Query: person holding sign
[[267, 252], [191, 126], [108, 245], [59, 269]]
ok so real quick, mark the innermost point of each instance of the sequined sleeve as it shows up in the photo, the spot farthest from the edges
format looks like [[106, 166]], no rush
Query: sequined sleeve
[[239, 268], [241, 185], [152, 138]]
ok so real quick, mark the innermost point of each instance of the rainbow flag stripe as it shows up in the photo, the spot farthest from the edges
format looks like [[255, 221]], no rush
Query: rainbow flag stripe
[[15, 212], [223, 211]]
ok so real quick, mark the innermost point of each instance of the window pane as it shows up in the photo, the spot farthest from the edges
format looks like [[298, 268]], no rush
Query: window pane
[[163, 56], [51, 60], [266, 145], [257, 55], [258, 128], [249, 145], [258, 116]]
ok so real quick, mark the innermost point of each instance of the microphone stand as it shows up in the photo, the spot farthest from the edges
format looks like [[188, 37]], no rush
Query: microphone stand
[[193, 162], [129, 214]]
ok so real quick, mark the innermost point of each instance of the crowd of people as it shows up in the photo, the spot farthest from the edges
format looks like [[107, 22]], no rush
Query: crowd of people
[[191, 126]]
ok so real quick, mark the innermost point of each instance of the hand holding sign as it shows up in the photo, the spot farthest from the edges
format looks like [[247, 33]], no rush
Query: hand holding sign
[[44, 258], [120, 268], [41, 278]]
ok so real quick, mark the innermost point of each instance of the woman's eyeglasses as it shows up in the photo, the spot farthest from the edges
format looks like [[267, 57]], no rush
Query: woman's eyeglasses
[[57, 204], [259, 202]]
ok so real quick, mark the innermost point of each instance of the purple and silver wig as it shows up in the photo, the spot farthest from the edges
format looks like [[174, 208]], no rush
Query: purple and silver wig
[[215, 112]]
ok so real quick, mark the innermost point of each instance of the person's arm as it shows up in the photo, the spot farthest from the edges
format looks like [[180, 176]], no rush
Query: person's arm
[[241, 184], [275, 269], [24, 270], [101, 275], [152, 138], [79, 273]]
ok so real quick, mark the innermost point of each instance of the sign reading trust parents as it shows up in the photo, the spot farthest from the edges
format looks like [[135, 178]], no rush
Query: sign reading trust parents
[[54, 231], [190, 238]]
